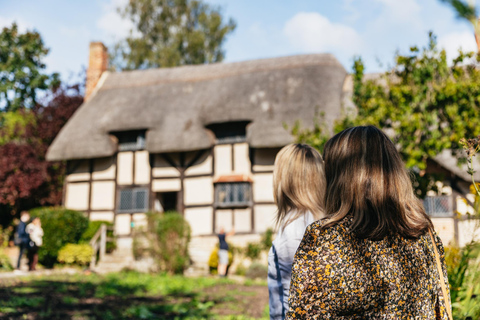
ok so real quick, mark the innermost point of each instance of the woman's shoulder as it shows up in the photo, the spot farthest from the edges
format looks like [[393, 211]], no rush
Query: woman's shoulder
[[322, 235]]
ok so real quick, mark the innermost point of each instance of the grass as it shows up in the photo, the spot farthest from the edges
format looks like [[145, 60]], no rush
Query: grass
[[131, 295]]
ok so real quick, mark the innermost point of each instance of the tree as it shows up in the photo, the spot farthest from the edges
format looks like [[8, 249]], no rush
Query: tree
[[21, 66], [28, 180], [170, 33], [468, 12], [423, 104]]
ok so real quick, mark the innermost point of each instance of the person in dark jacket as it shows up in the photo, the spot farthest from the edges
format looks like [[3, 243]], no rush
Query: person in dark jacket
[[223, 251], [22, 235]]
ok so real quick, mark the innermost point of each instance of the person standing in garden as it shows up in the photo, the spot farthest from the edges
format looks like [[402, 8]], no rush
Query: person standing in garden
[[299, 189], [35, 232], [21, 237], [223, 252], [375, 255]]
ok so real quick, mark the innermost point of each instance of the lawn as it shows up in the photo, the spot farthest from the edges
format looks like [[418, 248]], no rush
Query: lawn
[[131, 295]]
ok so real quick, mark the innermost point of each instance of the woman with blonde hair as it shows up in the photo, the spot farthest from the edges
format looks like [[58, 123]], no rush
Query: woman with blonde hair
[[299, 189], [375, 255]]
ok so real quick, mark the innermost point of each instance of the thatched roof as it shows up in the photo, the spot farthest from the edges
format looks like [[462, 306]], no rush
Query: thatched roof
[[174, 105]]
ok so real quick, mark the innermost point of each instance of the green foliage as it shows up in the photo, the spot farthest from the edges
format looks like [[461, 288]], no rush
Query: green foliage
[[464, 10], [93, 227], [213, 259], [316, 137], [166, 240], [463, 267], [253, 250], [13, 124], [267, 239], [172, 33], [21, 67], [424, 104], [60, 226], [5, 264], [79, 254], [257, 271]]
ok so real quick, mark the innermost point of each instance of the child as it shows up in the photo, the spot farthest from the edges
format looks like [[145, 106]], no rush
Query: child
[[35, 231], [299, 190]]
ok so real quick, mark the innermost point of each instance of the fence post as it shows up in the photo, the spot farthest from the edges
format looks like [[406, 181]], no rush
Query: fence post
[[103, 241]]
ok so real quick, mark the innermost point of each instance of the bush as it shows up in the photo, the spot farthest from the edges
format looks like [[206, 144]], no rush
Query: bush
[[93, 227], [80, 254], [60, 226], [257, 270], [267, 239], [213, 259], [253, 250], [166, 241]]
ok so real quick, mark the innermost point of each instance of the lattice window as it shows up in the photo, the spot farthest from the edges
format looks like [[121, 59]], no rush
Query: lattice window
[[439, 206], [133, 200], [237, 194]]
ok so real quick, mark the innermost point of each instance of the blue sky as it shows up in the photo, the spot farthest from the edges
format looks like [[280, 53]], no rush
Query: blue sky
[[373, 29]]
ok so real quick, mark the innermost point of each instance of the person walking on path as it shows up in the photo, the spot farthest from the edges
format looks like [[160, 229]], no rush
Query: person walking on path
[[22, 236], [376, 254], [35, 231], [223, 252], [299, 191]]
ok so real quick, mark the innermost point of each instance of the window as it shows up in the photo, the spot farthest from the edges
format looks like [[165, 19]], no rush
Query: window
[[237, 194], [131, 140], [440, 206], [229, 132], [133, 200]]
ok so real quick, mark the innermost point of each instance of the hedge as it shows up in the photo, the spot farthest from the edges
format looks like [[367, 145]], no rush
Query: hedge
[[60, 226]]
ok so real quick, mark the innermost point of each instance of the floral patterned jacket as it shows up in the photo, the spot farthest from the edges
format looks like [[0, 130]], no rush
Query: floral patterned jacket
[[338, 276]]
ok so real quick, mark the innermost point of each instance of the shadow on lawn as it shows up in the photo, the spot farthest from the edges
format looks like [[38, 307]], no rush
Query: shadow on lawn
[[107, 299]]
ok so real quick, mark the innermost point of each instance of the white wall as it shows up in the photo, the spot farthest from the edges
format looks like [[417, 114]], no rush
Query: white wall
[[76, 196], [200, 220], [263, 187], [198, 190], [103, 195], [142, 168], [125, 168]]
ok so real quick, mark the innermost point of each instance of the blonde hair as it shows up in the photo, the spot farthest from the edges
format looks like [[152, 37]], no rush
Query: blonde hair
[[298, 183], [367, 180]]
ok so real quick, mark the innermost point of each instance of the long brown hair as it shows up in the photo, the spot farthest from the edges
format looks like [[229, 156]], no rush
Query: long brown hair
[[367, 179], [298, 183]]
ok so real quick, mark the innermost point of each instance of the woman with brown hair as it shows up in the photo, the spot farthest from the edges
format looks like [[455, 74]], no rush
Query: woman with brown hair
[[375, 255]]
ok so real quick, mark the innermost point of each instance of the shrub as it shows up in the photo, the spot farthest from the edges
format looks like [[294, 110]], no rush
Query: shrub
[[80, 254], [60, 226], [253, 250], [93, 227], [213, 259], [166, 240], [257, 270], [267, 239]]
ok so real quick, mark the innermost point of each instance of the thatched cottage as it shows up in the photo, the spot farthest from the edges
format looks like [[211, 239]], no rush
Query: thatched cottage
[[200, 140]]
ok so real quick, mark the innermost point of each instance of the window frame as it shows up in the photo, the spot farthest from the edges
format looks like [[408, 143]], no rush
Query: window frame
[[135, 208], [430, 206], [224, 205], [137, 135]]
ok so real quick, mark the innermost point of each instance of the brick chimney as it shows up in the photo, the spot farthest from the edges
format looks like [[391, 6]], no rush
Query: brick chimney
[[97, 64]]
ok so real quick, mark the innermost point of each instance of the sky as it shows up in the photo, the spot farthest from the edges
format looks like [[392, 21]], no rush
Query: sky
[[372, 29]]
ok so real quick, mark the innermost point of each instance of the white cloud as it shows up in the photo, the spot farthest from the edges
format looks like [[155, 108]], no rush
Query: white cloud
[[111, 23], [312, 32], [453, 41], [404, 12]]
